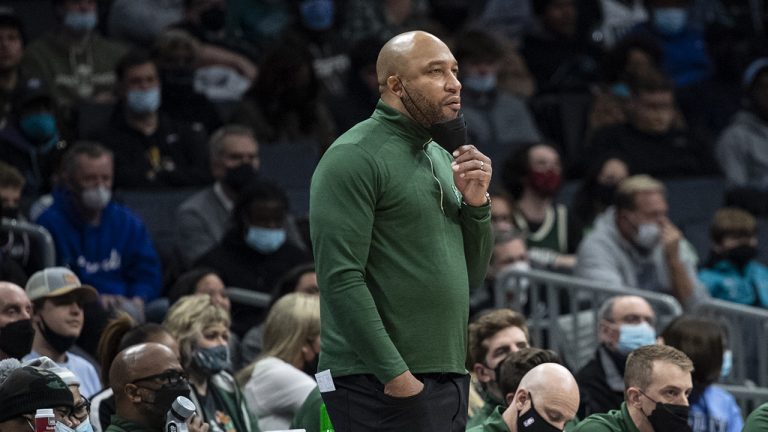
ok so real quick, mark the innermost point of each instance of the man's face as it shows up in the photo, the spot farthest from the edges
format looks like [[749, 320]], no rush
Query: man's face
[[670, 384], [14, 305], [654, 112], [508, 253], [11, 48], [431, 91], [140, 77], [62, 314], [650, 207], [626, 310], [509, 340], [92, 173], [561, 17], [10, 197], [236, 150]]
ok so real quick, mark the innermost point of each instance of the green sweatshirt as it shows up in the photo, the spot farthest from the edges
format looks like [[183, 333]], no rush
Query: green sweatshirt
[[612, 421], [757, 420], [395, 250]]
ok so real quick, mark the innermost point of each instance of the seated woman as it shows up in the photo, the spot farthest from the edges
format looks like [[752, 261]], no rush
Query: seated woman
[[202, 331], [277, 383]]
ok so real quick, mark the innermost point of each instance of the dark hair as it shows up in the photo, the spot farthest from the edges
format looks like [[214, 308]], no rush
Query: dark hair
[[540, 6], [615, 60], [287, 282], [518, 166], [650, 80], [133, 58], [585, 205], [9, 19], [701, 339], [185, 284], [478, 46], [515, 365], [119, 334], [258, 190], [92, 150]]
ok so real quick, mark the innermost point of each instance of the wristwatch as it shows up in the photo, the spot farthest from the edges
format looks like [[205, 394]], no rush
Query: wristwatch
[[486, 203]]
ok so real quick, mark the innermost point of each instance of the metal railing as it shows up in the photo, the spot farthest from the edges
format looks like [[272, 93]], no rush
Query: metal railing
[[41, 237], [747, 397], [249, 297]]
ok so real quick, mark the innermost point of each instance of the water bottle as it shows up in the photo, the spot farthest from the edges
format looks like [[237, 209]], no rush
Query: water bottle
[[176, 419], [325, 420], [45, 420]]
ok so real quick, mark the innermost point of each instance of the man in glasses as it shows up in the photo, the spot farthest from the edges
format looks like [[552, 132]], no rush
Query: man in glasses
[[146, 379], [25, 391], [78, 416]]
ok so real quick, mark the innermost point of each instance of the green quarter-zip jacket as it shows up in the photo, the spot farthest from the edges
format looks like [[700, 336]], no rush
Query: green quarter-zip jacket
[[396, 251]]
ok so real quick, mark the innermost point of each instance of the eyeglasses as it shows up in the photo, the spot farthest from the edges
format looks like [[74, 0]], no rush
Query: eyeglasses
[[82, 410], [171, 377]]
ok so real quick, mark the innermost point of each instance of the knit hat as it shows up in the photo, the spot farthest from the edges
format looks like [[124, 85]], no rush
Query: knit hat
[[58, 281], [28, 389]]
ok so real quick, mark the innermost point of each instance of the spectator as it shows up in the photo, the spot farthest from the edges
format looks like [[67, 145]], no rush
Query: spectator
[[254, 253], [30, 140], [79, 413], [634, 244], [732, 273], [560, 59], [652, 141], [11, 184], [16, 246], [509, 251], [279, 381], [515, 365], [740, 148], [203, 218], [556, 400], [500, 122], [595, 194], [11, 51], [532, 175], [74, 59], [16, 331], [119, 334], [285, 104], [143, 373], [202, 331], [625, 324], [702, 340], [140, 22], [657, 384], [152, 149], [28, 389], [492, 337], [57, 298], [105, 243], [501, 211]]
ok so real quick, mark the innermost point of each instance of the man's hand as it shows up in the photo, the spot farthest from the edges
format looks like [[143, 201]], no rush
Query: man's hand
[[196, 424], [670, 239], [403, 385], [472, 174]]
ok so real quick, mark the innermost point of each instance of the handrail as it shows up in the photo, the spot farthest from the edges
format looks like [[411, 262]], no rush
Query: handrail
[[249, 297]]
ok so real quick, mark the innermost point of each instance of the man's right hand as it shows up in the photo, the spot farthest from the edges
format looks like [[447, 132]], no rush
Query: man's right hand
[[403, 385]]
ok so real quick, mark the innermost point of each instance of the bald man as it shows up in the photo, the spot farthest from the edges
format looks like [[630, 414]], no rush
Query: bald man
[[401, 230], [146, 379], [16, 332]]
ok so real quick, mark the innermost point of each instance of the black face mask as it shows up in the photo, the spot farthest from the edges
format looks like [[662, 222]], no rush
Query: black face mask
[[531, 421], [213, 19], [16, 338], [669, 417], [164, 397], [740, 256], [604, 193], [10, 212], [57, 341], [239, 177], [450, 134]]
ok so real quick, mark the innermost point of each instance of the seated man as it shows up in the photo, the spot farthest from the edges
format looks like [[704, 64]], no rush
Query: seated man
[[515, 365], [626, 323], [634, 244], [16, 332], [28, 389], [492, 337], [732, 272], [657, 384], [509, 250], [57, 299], [104, 243], [553, 405], [146, 379], [152, 149]]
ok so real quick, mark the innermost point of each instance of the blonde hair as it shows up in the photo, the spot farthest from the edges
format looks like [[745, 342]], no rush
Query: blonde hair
[[732, 221], [188, 318], [631, 186], [292, 322]]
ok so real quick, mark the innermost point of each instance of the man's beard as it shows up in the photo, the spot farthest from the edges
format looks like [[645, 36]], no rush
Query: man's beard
[[422, 110]]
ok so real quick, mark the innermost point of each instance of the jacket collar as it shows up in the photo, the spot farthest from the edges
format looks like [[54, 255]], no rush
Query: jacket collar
[[401, 124]]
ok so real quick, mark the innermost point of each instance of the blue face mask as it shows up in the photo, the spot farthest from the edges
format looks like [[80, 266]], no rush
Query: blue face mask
[[85, 426], [633, 336], [670, 21], [317, 14], [621, 90], [725, 369], [212, 360], [144, 101], [81, 21], [479, 83], [265, 240], [40, 128]]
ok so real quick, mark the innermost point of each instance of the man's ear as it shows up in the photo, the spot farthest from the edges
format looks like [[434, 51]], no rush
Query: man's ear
[[520, 398], [395, 85], [132, 391], [633, 397]]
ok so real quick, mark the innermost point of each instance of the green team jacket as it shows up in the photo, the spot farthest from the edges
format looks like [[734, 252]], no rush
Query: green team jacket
[[396, 251], [612, 421], [757, 420]]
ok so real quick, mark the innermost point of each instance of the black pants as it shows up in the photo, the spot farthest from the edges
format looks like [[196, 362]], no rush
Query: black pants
[[359, 404]]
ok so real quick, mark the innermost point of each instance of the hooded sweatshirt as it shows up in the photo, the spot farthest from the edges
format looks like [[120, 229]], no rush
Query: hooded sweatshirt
[[742, 151]]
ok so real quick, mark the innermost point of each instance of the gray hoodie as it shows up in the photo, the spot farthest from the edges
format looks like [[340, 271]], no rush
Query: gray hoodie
[[743, 151]]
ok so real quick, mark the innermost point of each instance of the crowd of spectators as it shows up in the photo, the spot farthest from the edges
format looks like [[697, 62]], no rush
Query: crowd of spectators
[[197, 97]]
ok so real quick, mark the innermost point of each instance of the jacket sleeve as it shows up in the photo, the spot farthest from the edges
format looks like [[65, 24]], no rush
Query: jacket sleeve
[[342, 206], [478, 241], [142, 271], [594, 262], [193, 239]]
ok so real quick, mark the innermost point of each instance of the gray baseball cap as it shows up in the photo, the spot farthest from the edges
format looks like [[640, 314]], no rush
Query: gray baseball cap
[[58, 281]]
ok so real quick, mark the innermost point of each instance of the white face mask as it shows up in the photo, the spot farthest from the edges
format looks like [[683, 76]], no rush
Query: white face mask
[[96, 198], [648, 235]]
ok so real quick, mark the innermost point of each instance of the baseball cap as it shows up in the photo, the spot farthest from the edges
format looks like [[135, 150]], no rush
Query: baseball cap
[[752, 71], [58, 281], [28, 388]]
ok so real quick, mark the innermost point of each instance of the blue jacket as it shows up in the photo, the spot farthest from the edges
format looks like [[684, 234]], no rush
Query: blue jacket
[[724, 281], [686, 60], [116, 256], [715, 411]]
